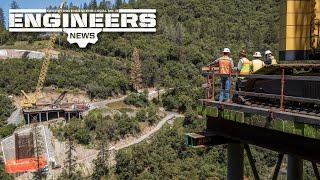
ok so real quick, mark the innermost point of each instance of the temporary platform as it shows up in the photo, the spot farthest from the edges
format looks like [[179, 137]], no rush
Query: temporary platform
[[42, 115]]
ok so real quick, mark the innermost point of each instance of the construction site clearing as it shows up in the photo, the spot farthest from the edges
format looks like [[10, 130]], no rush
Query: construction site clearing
[[65, 106]]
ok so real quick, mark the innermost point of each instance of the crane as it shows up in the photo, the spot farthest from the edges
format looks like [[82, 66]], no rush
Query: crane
[[31, 101]]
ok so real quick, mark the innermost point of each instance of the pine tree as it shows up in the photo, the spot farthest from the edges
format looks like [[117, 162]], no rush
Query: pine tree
[[93, 4], [101, 163], [2, 21], [118, 3], [70, 171], [38, 149], [131, 2], [104, 4], [179, 40], [85, 6], [71, 158], [14, 5], [135, 73], [108, 4]]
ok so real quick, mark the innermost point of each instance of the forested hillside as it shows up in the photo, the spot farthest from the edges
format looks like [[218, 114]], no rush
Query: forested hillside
[[190, 33]]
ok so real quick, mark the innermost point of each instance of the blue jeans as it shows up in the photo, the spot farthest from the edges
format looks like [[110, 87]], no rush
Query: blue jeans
[[224, 88]]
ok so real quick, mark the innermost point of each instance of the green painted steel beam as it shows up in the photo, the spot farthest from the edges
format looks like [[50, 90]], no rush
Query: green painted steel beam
[[298, 128]]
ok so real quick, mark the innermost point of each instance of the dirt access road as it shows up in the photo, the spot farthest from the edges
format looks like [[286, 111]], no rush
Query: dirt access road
[[87, 161]]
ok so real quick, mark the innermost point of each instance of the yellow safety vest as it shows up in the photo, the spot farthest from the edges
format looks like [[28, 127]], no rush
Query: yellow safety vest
[[273, 61], [246, 66], [256, 65]]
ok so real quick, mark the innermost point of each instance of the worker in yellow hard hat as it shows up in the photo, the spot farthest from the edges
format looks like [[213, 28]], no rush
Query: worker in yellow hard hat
[[269, 58], [257, 63]]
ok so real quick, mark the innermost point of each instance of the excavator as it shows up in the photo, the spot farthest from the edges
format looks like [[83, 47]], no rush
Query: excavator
[[32, 100]]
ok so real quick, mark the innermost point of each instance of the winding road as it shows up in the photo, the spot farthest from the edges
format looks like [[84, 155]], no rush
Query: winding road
[[16, 117], [124, 144]]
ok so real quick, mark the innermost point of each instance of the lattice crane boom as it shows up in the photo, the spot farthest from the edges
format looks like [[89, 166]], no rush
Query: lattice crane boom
[[28, 101]]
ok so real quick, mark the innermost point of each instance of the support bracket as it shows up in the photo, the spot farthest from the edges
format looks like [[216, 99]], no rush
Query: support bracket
[[278, 166], [252, 162]]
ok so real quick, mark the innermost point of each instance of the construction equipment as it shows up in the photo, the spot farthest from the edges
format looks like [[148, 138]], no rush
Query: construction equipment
[[31, 101], [299, 30], [60, 98]]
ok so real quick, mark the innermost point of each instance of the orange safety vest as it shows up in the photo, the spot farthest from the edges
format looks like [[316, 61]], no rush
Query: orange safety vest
[[246, 66], [224, 65]]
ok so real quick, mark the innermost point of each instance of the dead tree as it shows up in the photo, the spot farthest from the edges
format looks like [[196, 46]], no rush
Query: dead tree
[[135, 72]]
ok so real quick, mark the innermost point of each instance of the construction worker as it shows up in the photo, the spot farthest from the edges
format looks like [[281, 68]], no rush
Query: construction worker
[[226, 66], [257, 63], [269, 58], [244, 68], [244, 65]]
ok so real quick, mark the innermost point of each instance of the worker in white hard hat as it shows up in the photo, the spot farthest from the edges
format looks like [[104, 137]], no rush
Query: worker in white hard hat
[[269, 58], [226, 66], [257, 63]]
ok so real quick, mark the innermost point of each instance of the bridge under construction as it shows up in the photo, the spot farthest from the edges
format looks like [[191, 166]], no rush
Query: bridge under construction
[[277, 107], [271, 121]]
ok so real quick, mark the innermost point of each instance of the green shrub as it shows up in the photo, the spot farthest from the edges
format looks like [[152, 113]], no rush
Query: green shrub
[[7, 130], [137, 99]]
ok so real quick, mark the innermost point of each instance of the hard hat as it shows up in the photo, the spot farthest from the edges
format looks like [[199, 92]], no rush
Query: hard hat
[[243, 53], [268, 52], [226, 50], [257, 55]]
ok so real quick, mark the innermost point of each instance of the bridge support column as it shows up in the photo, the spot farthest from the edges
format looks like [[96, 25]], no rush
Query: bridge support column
[[295, 168], [47, 116], [235, 161], [28, 117]]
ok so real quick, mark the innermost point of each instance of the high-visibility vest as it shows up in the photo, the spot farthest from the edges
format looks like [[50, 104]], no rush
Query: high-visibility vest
[[273, 61], [256, 65], [224, 65], [246, 66]]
